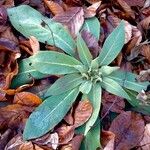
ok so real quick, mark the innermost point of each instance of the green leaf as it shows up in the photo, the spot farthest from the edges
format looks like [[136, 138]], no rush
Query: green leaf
[[85, 87], [114, 88], [92, 139], [106, 70], [49, 114], [83, 51], [30, 22], [112, 46], [64, 84], [128, 80], [92, 25], [50, 62], [95, 98], [26, 73]]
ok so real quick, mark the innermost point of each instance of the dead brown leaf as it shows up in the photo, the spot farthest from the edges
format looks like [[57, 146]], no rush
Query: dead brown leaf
[[65, 133], [128, 128], [93, 1], [27, 99], [54, 7], [145, 51], [72, 18], [82, 113], [29, 146], [135, 2]]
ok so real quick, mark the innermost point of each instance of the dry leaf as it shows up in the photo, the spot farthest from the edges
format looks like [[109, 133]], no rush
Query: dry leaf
[[65, 133], [69, 117], [29, 146], [73, 19], [54, 7], [135, 2], [145, 143], [82, 113], [128, 128], [93, 1], [34, 44], [145, 51], [91, 42], [144, 75], [91, 10], [108, 140], [27, 99]]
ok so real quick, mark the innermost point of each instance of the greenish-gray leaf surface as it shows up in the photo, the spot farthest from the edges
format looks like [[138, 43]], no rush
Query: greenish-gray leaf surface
[[64, 84], [112, 46], [49, 114], [86, 86], [30, 22], [50, 62], [92, 25], [128, 80], [26, 73], [95, 98], [83, 51]]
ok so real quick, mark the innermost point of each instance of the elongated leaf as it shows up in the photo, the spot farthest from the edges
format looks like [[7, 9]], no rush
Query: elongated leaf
[[84, 53], [92, 25], [50, 62], [106, 70], [30, 22], [95, 99], [114, 88], [26, 73], [85, 87], [64, 84], [128, 80], [49, 114], [92, 139], [112, 45]]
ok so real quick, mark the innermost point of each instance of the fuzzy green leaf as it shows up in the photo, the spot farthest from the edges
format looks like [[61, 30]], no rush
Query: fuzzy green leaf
[[128, 80], [92, 139], [83, 51], [92, 25], [106, 70], [64, 84], [85, 87], [30, 22], [95, 98], [26, 73], [112, 46], [50, 62], [49, 114], [113, 87]]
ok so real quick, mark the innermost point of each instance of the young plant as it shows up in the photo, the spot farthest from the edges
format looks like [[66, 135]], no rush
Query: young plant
[[80, 75]]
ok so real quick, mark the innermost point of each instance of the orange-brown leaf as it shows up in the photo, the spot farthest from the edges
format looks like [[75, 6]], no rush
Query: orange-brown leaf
[[27, 98], [82, 113]]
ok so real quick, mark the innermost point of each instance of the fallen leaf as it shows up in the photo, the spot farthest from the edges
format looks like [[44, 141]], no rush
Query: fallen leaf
[[144, 75], [91, 42], [82, 113], [50, 140], [34, 44], [135, 2], [69, 117], [73, 19], [145, 51], [108, 140], [54, 7], [128, 128], [91, 10], [112, 103], [65, 133], [29, 146], [93, 1], [145, 143], [3, 15], [74, 2], [27, 99]]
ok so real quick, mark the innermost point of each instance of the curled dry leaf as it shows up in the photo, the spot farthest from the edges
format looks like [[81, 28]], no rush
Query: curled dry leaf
[[50, 140], [135, 2], [3, 15], [82, 113], [34, 44], [145, 51], [128, 128], [65, 133], [54, 7], [112, 103], [91, 42], [144, 75], [91, 10], [145, 23], [127, 9], [145, 143], [93, 1], [72, 18], [27, 99], [13, 116], [69, 117]]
